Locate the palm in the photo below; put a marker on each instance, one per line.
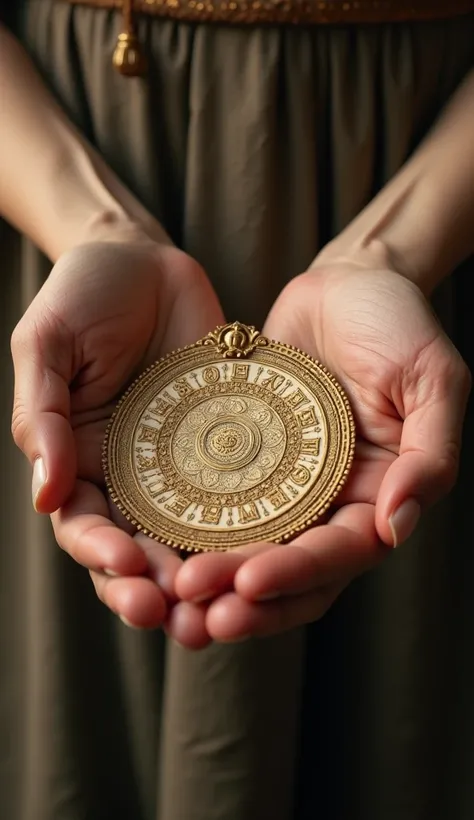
(407, 385)
(131, 307)
(106, 312)
(375, 333)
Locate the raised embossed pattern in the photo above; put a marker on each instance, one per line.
(232, 440)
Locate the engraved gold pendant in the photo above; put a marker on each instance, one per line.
(233, 440)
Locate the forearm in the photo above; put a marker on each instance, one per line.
(423, 220)
(53, 186)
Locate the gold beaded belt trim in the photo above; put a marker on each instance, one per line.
(292, 11)
(129, 60)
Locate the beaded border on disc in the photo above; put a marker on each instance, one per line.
(230, 342)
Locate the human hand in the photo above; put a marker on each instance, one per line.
(108, 309)
(408, 387)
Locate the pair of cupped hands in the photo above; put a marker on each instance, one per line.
(113, 306)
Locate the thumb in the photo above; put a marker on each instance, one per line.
(427, 466)
(42, 360)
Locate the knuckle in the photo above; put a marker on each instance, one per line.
(25, 343)
(19, 425)
(464, 376)
(190, 271)
(457, 372)
(294, 288)
(18, 339)
(40, 328)
(448, 466)
(193, 275)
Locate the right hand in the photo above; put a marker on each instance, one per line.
(408, 388)
(108, 310)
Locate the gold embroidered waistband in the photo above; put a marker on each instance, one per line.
(129, 60)
(310, 12)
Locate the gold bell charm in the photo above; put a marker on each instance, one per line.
(128, 57)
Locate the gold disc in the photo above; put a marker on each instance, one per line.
(233, 440)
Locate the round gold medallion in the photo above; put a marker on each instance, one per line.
(233, 440)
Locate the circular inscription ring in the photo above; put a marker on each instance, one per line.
(233, 440)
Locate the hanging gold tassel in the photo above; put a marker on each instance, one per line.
(128, 57)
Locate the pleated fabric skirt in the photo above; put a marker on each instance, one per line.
(254, 146)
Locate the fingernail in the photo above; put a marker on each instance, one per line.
(404, 520)
(128, 623)
(268, 596)
(38, 480)
(111, 573)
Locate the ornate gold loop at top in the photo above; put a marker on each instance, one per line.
(231, 440)
(235, 340)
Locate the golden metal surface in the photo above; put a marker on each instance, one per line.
(232, 440)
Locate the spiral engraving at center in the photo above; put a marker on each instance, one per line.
(229, 444)
(226, 441)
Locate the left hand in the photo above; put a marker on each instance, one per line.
(408, 387)
(110, 307)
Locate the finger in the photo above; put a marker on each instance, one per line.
(366, 475)
(163, 564)
(205, 576)
(346, 547)
(231, 618)
(89, 438)
(138, 602)
(84, 530)
(428, 461)
(42, 359)
(186, 624)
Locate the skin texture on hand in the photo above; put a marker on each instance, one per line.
(95, 325)
(113, 306)
(408, 387)
(108, 310)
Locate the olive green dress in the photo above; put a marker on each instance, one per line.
(254, 146)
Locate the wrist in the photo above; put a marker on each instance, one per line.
(54, 186)
(363, 254)
(409, 232)
(89, 204)
(421, 223)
